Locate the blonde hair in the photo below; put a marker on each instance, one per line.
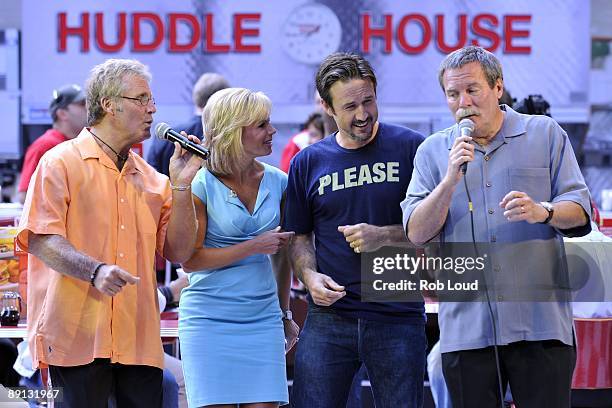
(224, 117)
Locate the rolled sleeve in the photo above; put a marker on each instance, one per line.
(421, 185)
(567, 181)
(47, 201)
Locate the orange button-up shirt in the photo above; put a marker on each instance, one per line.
(115, 217)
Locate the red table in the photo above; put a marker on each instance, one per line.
(594, 354)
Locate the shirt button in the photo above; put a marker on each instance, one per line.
(121, 255)
(488, 184)
(123, 227)
(122, 200)
(491, 211)
(486, 158)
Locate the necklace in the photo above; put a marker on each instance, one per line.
(121, 158)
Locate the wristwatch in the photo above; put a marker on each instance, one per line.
(287, 315)
(548, 207)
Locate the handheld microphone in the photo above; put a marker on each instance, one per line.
(466, 127)
(164, 131)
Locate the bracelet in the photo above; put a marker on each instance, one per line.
(180, 188)
(94, 274)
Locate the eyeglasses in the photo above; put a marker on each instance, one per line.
(143, 100)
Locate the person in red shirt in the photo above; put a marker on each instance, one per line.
(312, 131)
(67, 109)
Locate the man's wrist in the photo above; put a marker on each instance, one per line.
(543, 214)
(94, 274)
(447, 183)
(385, 234)
(549, 210)
(305, 276)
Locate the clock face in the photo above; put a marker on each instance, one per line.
(311, 32)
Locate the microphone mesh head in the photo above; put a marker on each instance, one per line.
(466, 124)
(161, 129)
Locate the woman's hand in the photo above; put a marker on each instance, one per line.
(270, 242)
(292, 330)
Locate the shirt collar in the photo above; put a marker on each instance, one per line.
(513, 125)
(90, 149)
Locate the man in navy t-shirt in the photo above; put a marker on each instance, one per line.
(342, 199)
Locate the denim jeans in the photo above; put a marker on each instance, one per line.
(170, 390)
(332, 348)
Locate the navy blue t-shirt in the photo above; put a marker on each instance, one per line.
(331, 186)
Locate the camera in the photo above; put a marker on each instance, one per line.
(533, 105)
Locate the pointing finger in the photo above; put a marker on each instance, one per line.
(129, 278)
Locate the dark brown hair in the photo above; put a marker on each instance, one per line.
(342, 66)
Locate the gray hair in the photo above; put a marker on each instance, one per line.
(205, 86)
(106, 81)
(488, 62)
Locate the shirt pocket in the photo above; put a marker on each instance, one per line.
(534, 181)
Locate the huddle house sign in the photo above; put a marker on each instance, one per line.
(275, 46)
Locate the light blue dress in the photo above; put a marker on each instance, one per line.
(230, 328)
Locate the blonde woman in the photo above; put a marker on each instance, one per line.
(233, 325)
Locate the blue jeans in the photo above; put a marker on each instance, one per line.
(332, 348)
(170, 390)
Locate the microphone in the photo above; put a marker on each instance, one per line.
(164, 131)
(466, 127)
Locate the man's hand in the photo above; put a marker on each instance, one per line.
(519, 206)
(270, 242)
(362, 237)
(183, 164)
(461, 152)
(323, 289)
(111, 279)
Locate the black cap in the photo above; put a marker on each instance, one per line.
(64, 96)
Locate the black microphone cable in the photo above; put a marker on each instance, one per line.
(491, 316)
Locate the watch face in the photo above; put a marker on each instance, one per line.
(310, 33)
(548, 206)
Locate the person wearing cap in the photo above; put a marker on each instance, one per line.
(94, 216)
(67, 109)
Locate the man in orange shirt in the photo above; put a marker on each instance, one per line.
(94, 215)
